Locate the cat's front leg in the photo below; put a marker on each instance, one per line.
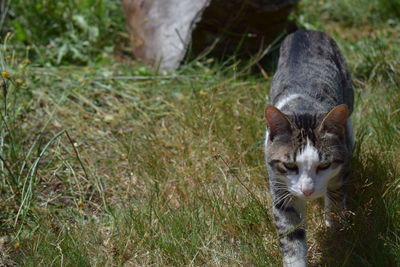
(334, 206)
(335, 200)
(288, 214)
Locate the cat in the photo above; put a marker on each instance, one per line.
(309, 138)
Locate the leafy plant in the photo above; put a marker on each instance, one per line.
(56, 32)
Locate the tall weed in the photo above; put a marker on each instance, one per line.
(21, 150)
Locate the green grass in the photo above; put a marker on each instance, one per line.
(112, 164)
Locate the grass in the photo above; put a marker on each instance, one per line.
(112, 164)
(61, 32)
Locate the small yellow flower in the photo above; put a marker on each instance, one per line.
(17, 245)
(80, 204)
(5, 74)
(202, 94)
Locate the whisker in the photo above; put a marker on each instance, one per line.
(280, 198)
(280, 195)
(287, 202)
(282, 201)
(278, 184)
(280, 188)
(335, 194)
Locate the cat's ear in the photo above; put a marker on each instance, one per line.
(278, 123)
(335, 121)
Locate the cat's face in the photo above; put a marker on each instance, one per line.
(305, 153)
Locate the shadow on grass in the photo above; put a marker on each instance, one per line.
(367, 237)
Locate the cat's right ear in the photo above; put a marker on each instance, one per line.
(335, 121)
(278, 123)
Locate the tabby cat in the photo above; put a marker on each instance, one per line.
(309, 138)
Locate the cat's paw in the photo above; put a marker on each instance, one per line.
(328, 222)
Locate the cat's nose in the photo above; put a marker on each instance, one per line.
(307, 191)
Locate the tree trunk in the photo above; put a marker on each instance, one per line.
(162, 30)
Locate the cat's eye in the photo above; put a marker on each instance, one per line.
(291, 166)
(324, 166)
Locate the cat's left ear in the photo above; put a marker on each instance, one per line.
(335, 121)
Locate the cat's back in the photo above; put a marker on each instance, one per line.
(311, 65)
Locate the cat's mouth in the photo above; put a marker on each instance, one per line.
(306, 195)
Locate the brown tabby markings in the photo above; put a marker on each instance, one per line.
(309, 139)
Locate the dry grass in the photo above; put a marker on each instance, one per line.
(167, 170)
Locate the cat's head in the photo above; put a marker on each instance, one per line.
(306, 152)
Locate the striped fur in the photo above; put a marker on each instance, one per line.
(309, 139)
